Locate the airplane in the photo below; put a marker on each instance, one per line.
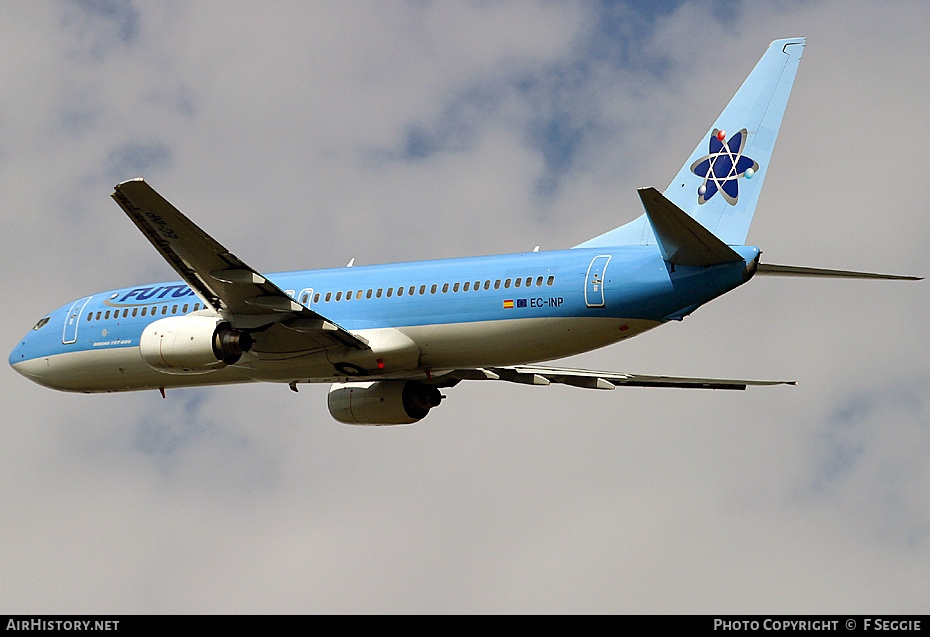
(390, 338)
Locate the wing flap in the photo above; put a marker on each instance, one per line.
(592, 379)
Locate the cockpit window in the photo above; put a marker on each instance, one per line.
(41, 323)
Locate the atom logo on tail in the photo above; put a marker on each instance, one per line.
(723, 166)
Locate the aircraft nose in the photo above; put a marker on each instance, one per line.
(29, 358)
(22, 364)
(18, 354)
(35, 368)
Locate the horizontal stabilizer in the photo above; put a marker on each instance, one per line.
(682, 240)
(770, 269)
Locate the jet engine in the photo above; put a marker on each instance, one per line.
(192, 344)
(383, 402)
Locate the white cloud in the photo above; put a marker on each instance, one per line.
(284, 130)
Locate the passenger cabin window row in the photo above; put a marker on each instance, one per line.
(413, 290)
(145, 311)
(435, 288)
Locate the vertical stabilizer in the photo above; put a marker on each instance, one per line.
(719, 184)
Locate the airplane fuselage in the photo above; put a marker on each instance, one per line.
(390, 337)
(426, 316)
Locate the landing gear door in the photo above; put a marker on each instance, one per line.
(72, 320)
(594, 281)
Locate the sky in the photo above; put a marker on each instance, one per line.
(304, 134)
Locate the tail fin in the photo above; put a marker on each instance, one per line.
(719, 184)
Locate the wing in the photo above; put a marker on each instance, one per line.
(221, 279)
(591, 379)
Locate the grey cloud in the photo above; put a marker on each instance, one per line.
(136, 159)
(505, 499)
(104, 23)
(866, 461)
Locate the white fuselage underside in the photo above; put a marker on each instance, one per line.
(441, 348)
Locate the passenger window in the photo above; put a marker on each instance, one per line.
(98, 315)
(422, 290)
(164, 310)
(135, 311)
(465, 287)
(378, 293)
(90, 315)
(197, 306)
(106, 316)
(339, 295)
(411, 290)
(400, 291)
(497, 284)
(174, 309)
(125, 312)
(329, 295)
(529, 281)
(550, 280)
(316, 297)
(369, 293)
(445, 288)
(487, 285)
(390, 292)
(517, 282)
(144, 310)
(538, 281)
(358, 295)
(455, 288)
(184, 309)
(304, 298)
(506, 284)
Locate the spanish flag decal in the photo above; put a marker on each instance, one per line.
(508, 304)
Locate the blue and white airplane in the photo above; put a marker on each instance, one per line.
(391, 337)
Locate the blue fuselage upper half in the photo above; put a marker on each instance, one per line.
(624, 282)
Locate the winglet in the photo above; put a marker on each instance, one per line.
(682, 240)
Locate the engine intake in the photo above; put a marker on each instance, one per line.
(192, 344)
(383, 402)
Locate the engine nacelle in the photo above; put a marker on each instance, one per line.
(192, 344)
(383, 402)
